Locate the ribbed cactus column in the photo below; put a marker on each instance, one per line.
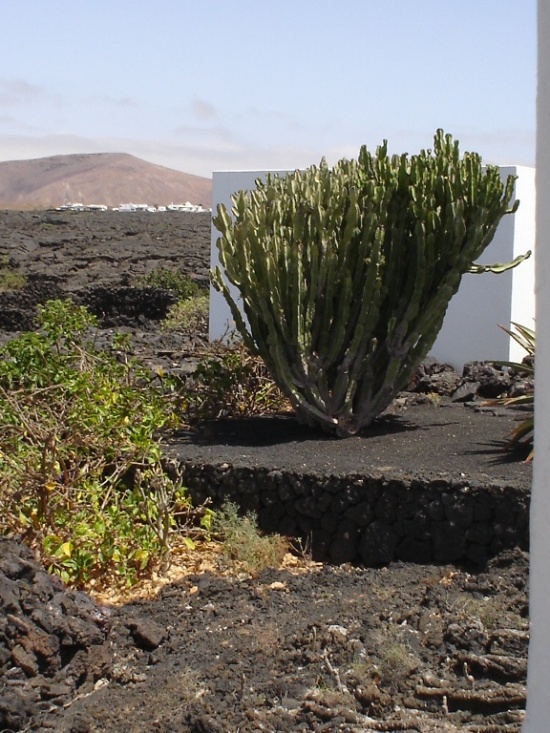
(345, 273)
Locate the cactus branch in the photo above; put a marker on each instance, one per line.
(345, 273)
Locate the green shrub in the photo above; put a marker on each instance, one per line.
(228, 382)
(345, 274)
(181, 285)
(10, 278)
(243, 542)
(189, 315)
(81, 476)
(190, 312)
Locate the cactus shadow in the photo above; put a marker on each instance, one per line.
(261, 431)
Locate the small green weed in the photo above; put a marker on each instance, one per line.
(388, 660)
(397, 660)
(243, 542)
(492, 611)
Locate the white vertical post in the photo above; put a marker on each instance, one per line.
(538, 696)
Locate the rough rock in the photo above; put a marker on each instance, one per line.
(493, 380)
(53, 642)
(146, 633)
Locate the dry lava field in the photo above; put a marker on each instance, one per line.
(211, 649)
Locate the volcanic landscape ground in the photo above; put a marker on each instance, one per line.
(212, 649)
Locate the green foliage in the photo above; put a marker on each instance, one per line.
(228, 381)
(189, 315)
(243, 542)
(345, 274)
(81, 476)
(10, 279)
(190, 312)
(525, 337)
(522, 436)
(183, 287)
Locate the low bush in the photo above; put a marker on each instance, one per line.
(180, 284)
(81, 476)
(190, 312)
(10, 278)
(228, 382)
(190, 315)
(244, 543)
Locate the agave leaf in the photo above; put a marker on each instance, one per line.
(522, 436)
(525, 337)
(524, 399)
(516, 365)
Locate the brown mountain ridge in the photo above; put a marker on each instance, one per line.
(97, 178)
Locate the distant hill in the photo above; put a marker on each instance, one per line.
(97, 178)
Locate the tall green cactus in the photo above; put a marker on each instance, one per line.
(345, 274)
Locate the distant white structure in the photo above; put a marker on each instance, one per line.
(187, 206)
(470, 330)
(71, 207)
(129, 207)
(82, 207)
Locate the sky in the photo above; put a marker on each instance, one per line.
(207, 85)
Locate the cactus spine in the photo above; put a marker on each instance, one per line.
(345, 274)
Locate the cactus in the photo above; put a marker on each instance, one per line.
(345, 274)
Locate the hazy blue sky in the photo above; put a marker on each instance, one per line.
(203, 85)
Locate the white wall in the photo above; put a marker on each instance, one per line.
(224, 184)
(470, 330)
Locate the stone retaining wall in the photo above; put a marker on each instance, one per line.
(114, 306)
(373, 520)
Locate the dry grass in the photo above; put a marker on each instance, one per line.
(243, 543)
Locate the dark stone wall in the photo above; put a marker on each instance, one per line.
(373, 521)
(113, 305)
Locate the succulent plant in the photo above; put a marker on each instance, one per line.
(345, 273)
(522, 436)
